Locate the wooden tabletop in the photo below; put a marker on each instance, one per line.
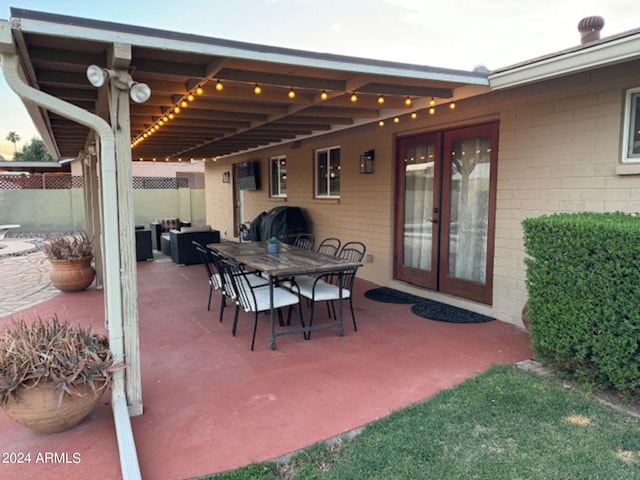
(290, 261)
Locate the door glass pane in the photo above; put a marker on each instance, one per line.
(418, 206)
(469, 208)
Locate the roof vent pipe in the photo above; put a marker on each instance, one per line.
(589, 28)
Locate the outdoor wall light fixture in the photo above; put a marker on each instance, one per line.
(366, 161)
(139, 92)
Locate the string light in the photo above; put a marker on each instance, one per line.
(258, 90)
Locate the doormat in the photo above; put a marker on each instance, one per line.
(390, 295)
(442, 312)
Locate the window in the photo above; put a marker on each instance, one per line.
(631, 133)
(328, 172)
(278, 169)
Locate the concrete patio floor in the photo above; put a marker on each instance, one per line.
(210, 404)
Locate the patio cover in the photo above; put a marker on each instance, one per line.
(56, 50)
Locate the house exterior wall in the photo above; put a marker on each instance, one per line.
(559, 146)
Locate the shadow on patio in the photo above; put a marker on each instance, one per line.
(211, 405)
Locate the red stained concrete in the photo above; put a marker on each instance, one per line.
(210, 404)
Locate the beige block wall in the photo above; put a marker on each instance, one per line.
(558, 149)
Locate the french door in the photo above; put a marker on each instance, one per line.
(445, 216)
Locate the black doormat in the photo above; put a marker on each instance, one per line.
(390, 295)
(446, 313)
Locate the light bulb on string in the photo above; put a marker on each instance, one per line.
(219, 86)
(324, 95)
(257, 89)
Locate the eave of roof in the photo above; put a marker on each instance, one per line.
(610, 50)
(98, 30)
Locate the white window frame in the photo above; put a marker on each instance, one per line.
(630, 127)
(278, 161)
(318, 174)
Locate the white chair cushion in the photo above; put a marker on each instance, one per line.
(323, 290)
(281, 298)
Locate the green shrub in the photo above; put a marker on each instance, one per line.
(583, 280)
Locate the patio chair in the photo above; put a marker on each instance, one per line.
(226, 288)
(215, 281)
(329, 246)
(325, 288)
(304, 240)
(256, 299)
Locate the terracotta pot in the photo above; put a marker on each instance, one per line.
(72, 275)
(37, 407)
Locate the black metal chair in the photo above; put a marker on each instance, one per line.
(304, 240)
(226, 288)
(214, 278)
(325, 287)
(256, 299)
(329, 246)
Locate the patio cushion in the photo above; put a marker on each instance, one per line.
(167, 224)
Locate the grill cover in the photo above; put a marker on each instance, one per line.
(284, 223)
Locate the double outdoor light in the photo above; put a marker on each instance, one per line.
(97, 76)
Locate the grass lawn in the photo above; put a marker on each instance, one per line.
(505, 424)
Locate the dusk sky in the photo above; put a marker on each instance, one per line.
(459, 34)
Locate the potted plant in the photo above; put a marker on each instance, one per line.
(273, 245)
(52, 374)
(70, 257)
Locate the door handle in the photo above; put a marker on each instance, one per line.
(433, 220)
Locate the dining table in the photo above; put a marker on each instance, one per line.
(287, 263)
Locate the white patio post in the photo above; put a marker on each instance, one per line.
(119, 111)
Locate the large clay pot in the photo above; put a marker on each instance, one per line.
(37, 407)
(72, 275)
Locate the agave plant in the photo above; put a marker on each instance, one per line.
(65, 247)
(55, 351)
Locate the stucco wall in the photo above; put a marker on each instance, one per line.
(63, 210)
(559, 145)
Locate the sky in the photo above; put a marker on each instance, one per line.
(458, 34)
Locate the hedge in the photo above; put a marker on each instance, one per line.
(583, 281)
